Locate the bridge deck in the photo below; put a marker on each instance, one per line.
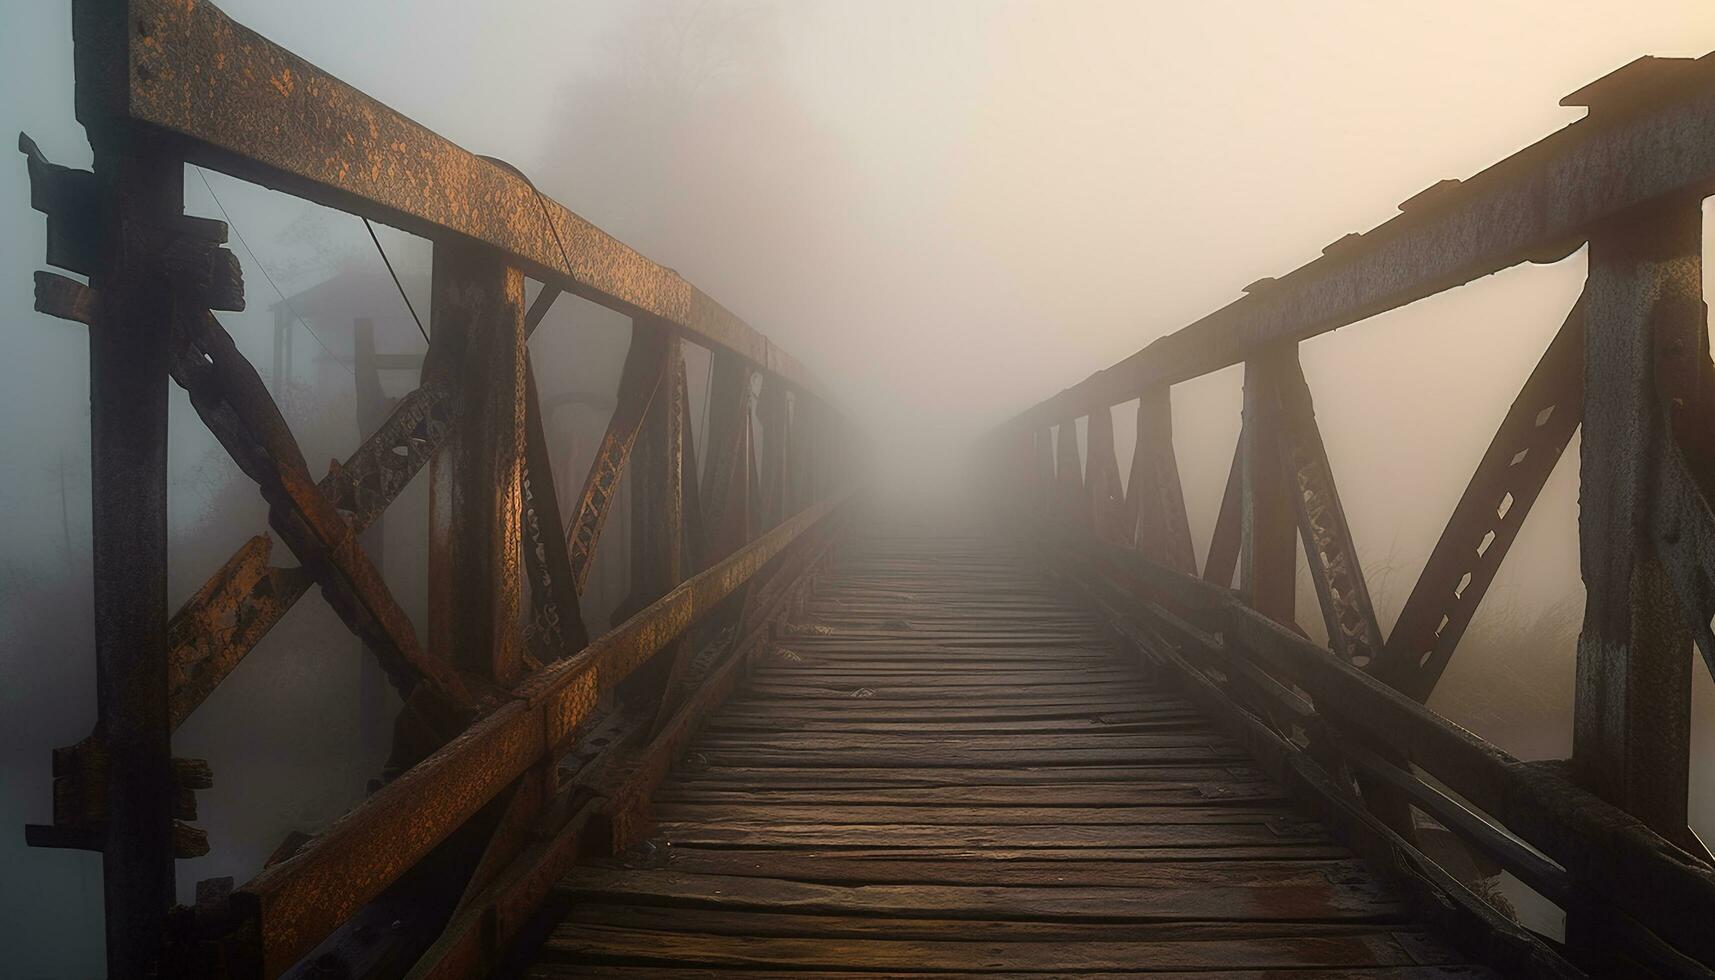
(946, 768)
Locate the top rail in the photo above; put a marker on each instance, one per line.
(475, 816)
(243, 105)
(1649, 137)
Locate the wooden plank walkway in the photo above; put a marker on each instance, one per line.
(946, 770)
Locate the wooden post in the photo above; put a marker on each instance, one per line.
(1042, 471)
(776, 452)
(1335, 570)
(1631, 724)
(1222, 560)
(1155, 498)
(141, 193)
(1488, 517)
(657, 486)
(476, 481)
(1069, 505)
(1105, 496)
(727, 481)
(1268, 564)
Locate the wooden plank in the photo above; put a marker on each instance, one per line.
(1351, 897)
(563, 971)
(934, 835)
(1375, 949)
(779, 776)
(752, 923)
(1002, 792)
(836, 867)
(1093, 796)
(774, 814)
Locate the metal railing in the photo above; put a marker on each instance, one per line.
(1605, 838)
(454, 851)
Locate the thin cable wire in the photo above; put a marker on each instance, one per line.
(542, 203)
(396, 283)
(264, 270)
(708, 398)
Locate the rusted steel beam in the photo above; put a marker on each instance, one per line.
(1539, 204)
(1488, 517)
(1106, 497)
(692, 508)
(235, 404)
(1222, 561)
(556, 622)
(493, 916)
(657, 485)
(658, 517)
(1632, 711)
(1435, 893)
(638, 381)
(211, 634)
(776, 484)
(1070, 503)
(1155, 498)
(136, 187)
(1333, 558)
(476, 316)
(728, 478)
(1682, 526)
(1599, 844)
(1601, 847)
(248, 107)
(296, 903)
(373, 406)
(1268, 559)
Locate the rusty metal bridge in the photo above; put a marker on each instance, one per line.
(827, 738)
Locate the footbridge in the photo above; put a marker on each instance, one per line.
(827, 736)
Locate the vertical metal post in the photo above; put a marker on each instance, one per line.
(476, 480)
(1042, 471)
(776, 452)
(1155, 498)
(657, 485)
(142, 193)
(1631, 724)
(1268, 563)
(1069, 505)
(1105, 498)
(727, 481)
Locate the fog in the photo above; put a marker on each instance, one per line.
(948, 211)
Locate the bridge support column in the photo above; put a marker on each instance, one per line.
(1106, 498)
(1069, 504)
(140, 195)
(1155, 498)
(731, 464)
(1268, 560)
(658, 485)
(476, 481)
(776, 453)
(1631, 727)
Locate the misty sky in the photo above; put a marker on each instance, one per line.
(947, 209)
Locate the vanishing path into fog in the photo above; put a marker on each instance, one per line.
(707, 702)
(946, 764)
